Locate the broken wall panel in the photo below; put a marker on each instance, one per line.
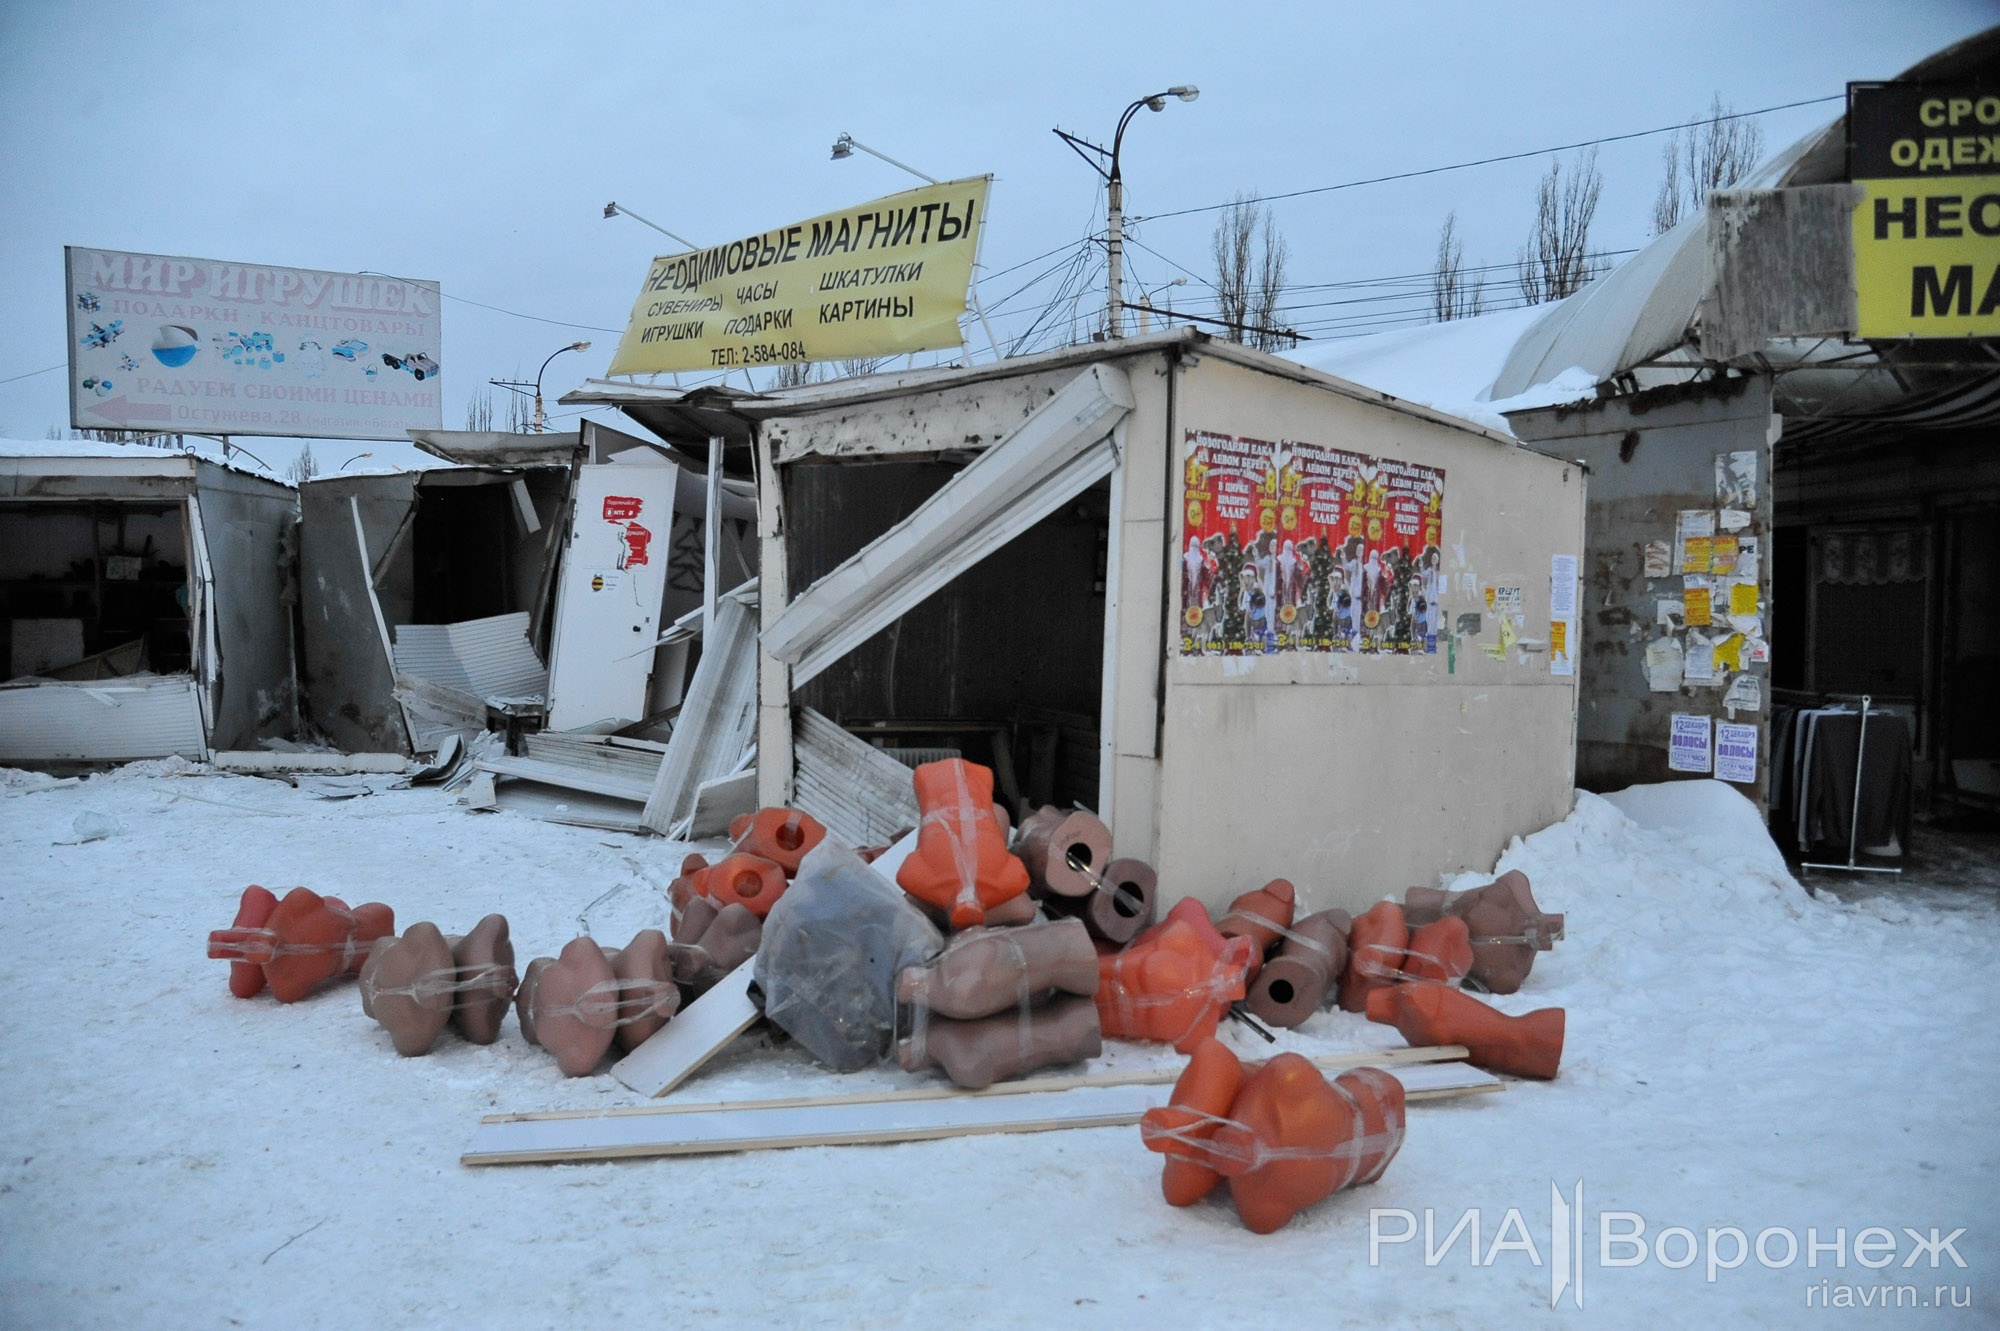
(864, 796)
(717, 721)
(348, 681)
(486, 658)
(111, 721)
(250, 526)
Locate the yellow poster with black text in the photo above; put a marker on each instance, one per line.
(879, 279)
(1927, 257)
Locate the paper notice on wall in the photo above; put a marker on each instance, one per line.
(1698, 665)
(1742, 599)
(1672, 614)
(1469, 624)
(1722, 555)
(1729, 653)
(1507, 603)
(1562, 633)
(1760, 649)
(1735, 752)
(1736, 479)
(1734, 519)
(1659, 559)
(1693, 539)
(1498, 650)
(1663, 665)
(1746, 694)
(1562, 586)
(1696, 602)
(1688, 748)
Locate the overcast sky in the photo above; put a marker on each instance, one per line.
(476, 145)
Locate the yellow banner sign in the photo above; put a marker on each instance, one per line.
(1927, 230)
(879, 279)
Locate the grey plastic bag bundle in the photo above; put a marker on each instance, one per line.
(832, 947)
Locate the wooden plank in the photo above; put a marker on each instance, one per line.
(1160, 1076)
(257, 760)
(693, 1037)
(709, 1130)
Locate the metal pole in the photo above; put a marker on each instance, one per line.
(1115, 250)
(711, 572)
(1854, 811)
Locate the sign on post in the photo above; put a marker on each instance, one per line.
(879, 279)
(198, 346)
(1927, 229)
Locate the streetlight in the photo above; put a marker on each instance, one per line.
(843, 148)
(541, 421)
(1115, 204)
(1146, 303)
(613, 209)
(351, 461)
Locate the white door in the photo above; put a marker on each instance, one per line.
(614, 570)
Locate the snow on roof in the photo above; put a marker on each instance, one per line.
(1449, 366)
(99, 448)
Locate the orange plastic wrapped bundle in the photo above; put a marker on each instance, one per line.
(1432, 1014)
(1172, 984)
(306, 940)
(780, 835)
(1440, 950)
(1288, 1139)
(1376, 947)
(961, 864)
(253, 911)
(743, 879)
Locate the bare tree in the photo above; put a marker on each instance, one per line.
(1249, 278)
(304, 467)
(479, 410)
(1454, 295)
(860, 365)
(1710, 156)
(795, 375)
(1556, 260)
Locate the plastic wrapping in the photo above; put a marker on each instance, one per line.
(1506, 925)
(832, 948)
(961, 864)
(1001, 1002)
(304, 941)
(1429, 1013)
(1289, 1138)
(1175, 981)
(417, 984)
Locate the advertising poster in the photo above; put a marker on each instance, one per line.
(1294, 546)
(878, 279)
(1735, 752)
(198, 346)
(1689, 749)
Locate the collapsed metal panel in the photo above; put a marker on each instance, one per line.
(1060, 450)
(101, 721)
(349, 681)
(717, 718)
(249, 526)
(865, 797)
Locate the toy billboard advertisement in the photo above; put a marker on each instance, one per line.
(1295, 546)
(198, 346)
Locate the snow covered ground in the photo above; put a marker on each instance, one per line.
(1740, 1056)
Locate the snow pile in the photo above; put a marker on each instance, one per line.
(1739, 1054)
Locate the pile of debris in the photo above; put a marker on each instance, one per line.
(989, 953)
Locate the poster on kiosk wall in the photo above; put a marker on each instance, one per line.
(1291, 546)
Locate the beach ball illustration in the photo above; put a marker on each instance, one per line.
(174, 345)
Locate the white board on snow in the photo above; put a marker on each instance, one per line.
(693, 1037)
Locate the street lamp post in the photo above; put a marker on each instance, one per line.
(844, 146)
(541, 420)
(1115, 202)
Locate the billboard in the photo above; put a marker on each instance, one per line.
(197, 346)
(878, 279)
(1927, 229)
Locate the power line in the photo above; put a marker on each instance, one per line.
(1489, 161)
(32, 373)
(560, 323)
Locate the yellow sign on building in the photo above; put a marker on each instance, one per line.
(1927, 228)
(879, 279)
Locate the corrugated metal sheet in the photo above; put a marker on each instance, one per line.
(488, 658)
(108, 721)
(863, 795)
(717, 719)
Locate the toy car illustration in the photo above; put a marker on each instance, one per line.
(348, 348)
(416, 363)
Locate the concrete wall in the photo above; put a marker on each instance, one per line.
(1652, 455)
(1354, 776)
